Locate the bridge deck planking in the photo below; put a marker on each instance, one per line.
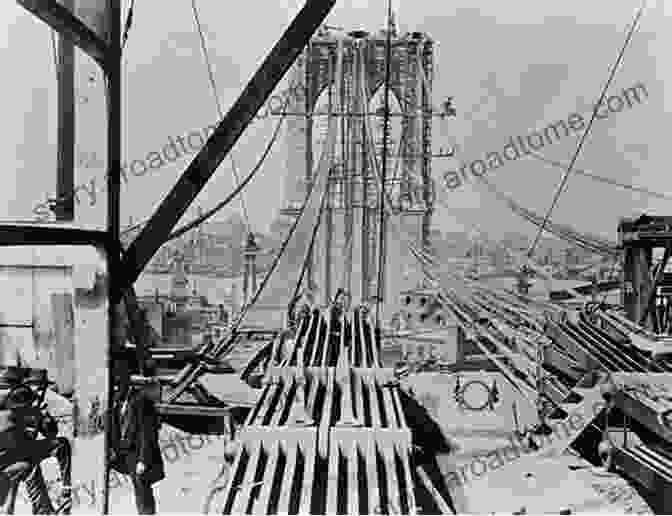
(380, 440)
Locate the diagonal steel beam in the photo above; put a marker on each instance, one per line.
(222, 140)
(63, 21)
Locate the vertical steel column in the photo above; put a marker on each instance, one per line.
(365, 229)
(65, 179)
(344, 150)
(329, 215)
(622, 278)
(382, 245)
(308, 103)
(253, 273)
(417, 122)
(418, 146)
(628, 298)
(351, 106)
(426, 147)
(246, 279)
(113, 71)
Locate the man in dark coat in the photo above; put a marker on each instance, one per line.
(139, 454)
(21, 453)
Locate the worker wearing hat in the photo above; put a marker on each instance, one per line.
(137, 453)
(21, 452)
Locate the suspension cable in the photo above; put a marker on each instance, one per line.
(590, 124)
(596, 177)
(241, 185)
(592, 243)
(284, 246)
(425, 259)
(220, 111)
(421, 256)
(128, 24)
(313, 238)
(219, 206)
(381, 201)
(208, 214)
(601, 179)
(192, 371)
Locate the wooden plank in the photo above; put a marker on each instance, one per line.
(333, 478)
(288, 478)
(168, 409)
(424, 478)
(276, 387)
(353, 485)
(261, 504)
(284, 403)
(232, 490)
(315, 381)
(358, 393)
(325, 423)
(375, 501)
(404, 455)
(308, 477)
(240, 505)
(64, 364)
(370, 390)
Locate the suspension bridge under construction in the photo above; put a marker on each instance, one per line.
(335, 426)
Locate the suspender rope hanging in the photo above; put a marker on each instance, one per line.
(381, 202)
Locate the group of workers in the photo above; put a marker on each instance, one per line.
(29, 435)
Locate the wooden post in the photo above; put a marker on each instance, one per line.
(65, 168)
(308, 103)
(64, 343)
(641, 282)
(112, 68)
(329, 215)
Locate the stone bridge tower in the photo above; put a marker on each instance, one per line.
(343, 73)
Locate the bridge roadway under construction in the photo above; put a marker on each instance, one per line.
(331, 433)
(557, 357)
(329, 405)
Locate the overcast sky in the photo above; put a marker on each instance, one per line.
(510, 66)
